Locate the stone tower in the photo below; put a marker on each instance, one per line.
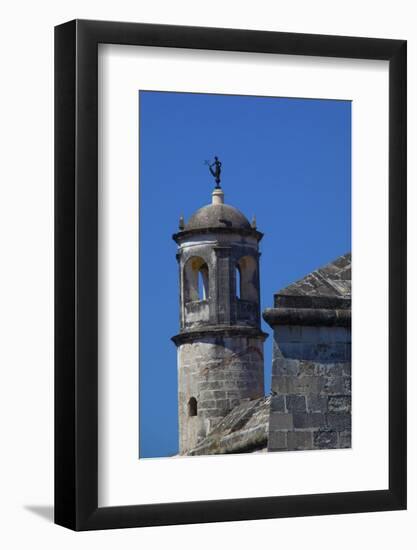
(220, 343)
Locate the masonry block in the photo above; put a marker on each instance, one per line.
(317, 403)
(298, 385)
(278, 403)
(339, 421)
(345, 440)
(334, 385)
(325, 439)
(339, 403)
(280, 421)
(277, 441)
(299, 441)
(282, 366)
(295, 403)
(308, 420)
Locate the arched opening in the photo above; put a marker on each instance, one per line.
(196, 280)
(203, 289)
(192, 406)
(238, 282)
(248, 279)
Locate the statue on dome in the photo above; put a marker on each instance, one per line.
(215, 170)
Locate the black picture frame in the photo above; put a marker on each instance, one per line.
(76, 272)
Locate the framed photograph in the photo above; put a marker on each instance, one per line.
(230, 253)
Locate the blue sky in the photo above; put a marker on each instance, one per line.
(287, 161)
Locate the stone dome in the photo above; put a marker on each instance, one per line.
(217, 215)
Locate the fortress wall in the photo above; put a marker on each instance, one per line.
(311, 388)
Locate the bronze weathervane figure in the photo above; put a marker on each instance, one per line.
(215, 170)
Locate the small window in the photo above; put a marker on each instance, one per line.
(192, 406)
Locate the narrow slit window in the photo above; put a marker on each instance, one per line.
(192, 406)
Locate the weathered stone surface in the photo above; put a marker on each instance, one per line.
(332, 280)
(211, 385)
(295, 403)
(279, 316)
(307, 368)
(345, 440)
(308, 420)
(244, 429)
(339, 421)
(317, 403)
(339, 403)
(278, 403)
(299, 441)
(277, 441)
(212, 394)
(282, 366)
(289, 334)
(297, 385)
(300, 301)
(347, 383)
(218, 377)
(325, 439)
(281, 421)
(347, 369)
(217, 215)
(210, 414)
(313, 335)
(329, 369)
(320, 352)
(334, 385)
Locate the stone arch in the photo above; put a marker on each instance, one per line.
(192, 406)
(196, 280)
(248, 277)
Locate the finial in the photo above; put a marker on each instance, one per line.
(217, 197)
(253, 222)
(181, 223)
(215, 170)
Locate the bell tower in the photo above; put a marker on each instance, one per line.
(220, 342)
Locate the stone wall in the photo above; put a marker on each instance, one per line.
(311, 372)
(311, 389)
(219, 372)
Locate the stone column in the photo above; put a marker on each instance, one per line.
(222, 302)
